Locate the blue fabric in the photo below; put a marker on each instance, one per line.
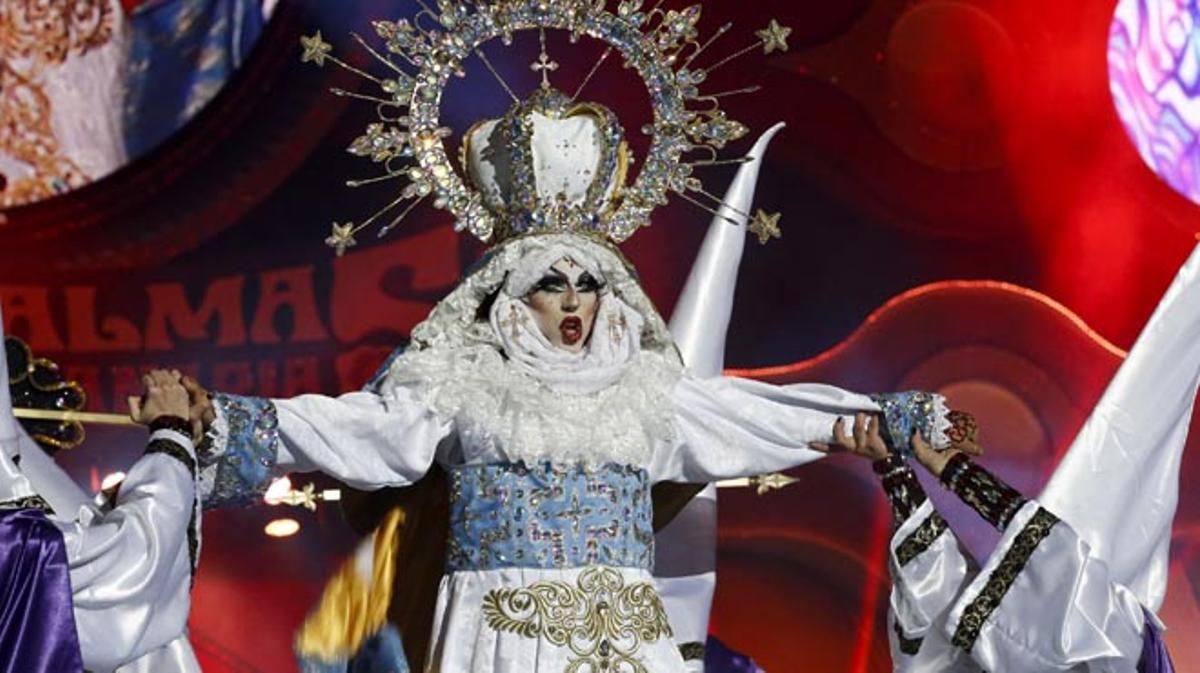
(37, 625)
(903, 414)
(181, 53)
(718, 658)
(1155, 658)
(381, 373)
(508, 515)
(245, 469)
(381, 653)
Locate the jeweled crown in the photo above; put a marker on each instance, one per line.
(552, 163)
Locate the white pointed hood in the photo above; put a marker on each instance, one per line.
(13, 484)
(1118, 484)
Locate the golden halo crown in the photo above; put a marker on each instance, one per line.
(550, 164)
(660, 45)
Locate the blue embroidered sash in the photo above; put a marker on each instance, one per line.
(509, 515)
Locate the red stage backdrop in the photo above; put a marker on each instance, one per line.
(962, 212)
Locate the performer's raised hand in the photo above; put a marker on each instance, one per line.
(164, 396)
(200, 409)
(865, 439)
(933, 460)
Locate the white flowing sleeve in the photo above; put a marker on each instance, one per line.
(929, 569)
(131, 566)
(731, 427)
(1043, 602)
(364, 439)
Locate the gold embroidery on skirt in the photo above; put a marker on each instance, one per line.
(602, 620)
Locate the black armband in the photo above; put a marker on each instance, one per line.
(175, 423)
(900, 483)
(995, 500)
(174, 450)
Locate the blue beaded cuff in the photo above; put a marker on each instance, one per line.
(905, 413)
(508, 515)
(239, 465)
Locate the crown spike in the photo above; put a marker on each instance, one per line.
(705, 207)
(595, 66)
(361, 96)
(387, 228)
(382, 58)
(707, 43)
(722, 162)
(488, 64)
(371, 181)
(735, 92)
(772, 38)
(720, 201)
(380, 213)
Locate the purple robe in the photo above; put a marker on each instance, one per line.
(37, 624)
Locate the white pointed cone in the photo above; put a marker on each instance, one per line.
(685, 551)
(8, 422)
(13, 484)
(38, 473)
(1118, 484)
(701, 318)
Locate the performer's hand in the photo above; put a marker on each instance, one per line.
(200, 411)
(865, 441)
(933, 460)
(964, 433)
(164, 396)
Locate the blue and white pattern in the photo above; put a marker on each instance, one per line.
(239, 474)
(907, 412)
(509, 515)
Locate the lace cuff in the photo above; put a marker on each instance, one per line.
(239, 452)
(995, 500)
(900, 483)
(908, 412)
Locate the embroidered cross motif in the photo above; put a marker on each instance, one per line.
(515, 321)
(616, 326)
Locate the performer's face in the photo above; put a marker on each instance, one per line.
(564, 303)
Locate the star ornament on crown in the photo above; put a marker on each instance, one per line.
(551, 163)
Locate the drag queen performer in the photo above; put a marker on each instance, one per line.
(545, 385)
(99, 588)
(1079, 573)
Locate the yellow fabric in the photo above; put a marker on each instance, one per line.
(410, 527)
(350, 610)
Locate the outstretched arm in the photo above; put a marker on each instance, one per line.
(365, 439)
(928, 565)
(732, 427)
(1042, 601)
(131, 566)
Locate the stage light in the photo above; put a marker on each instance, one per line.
(1153, 74)
(282, 528)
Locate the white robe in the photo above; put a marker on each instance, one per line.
(1058, 607)
(130, 566)
(719, 428)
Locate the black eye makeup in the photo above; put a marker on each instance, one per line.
(551, 283)
(588, 283)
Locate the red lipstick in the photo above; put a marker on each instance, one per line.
(571, 329)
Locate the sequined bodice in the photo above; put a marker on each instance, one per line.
(509, 515)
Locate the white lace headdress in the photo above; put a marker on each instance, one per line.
(515, 393)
